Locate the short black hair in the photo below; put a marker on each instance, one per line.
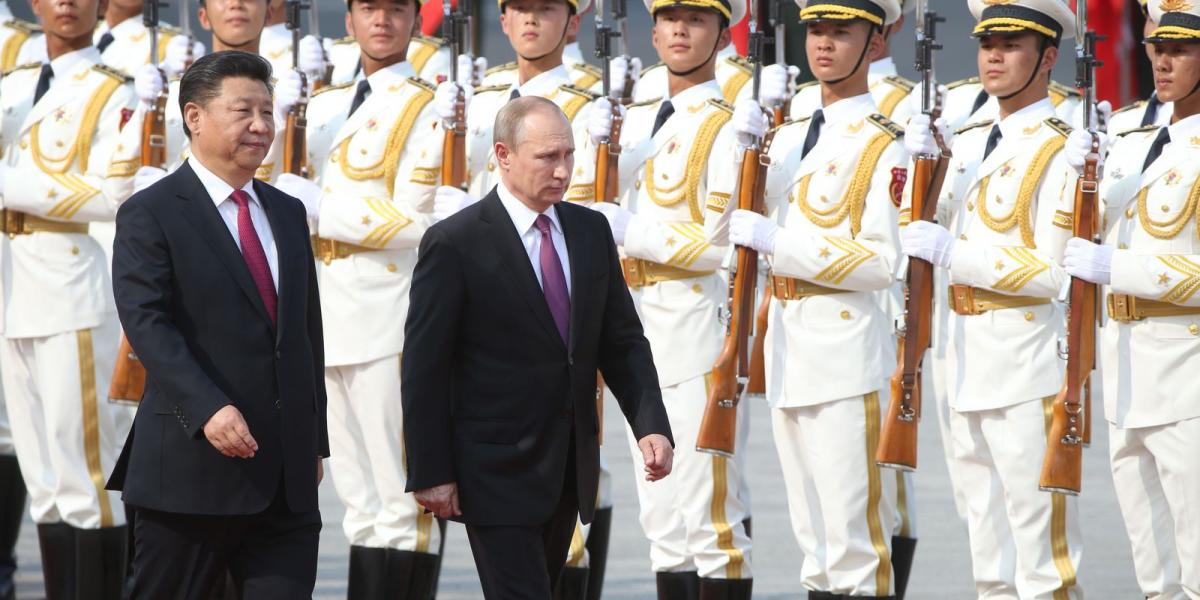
(401, 2)
(202, 81)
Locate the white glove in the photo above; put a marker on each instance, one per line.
(146, 177)
(481, 66)
(914, 98)
(928, 241)
(148, 84)
(304, 190)
(288, 90)
(175, 60)
(1079, 145)
(445, 97)
(775, 84)
(449, 200)
(1100, 116)
(327, 45)
(918, 137)
(618, 69)
(618, 219)
(311, 57)
(466, 69)
(752, 230)
(1088, 261)
(600, 119)
(750, 123)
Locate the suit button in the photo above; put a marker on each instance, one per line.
(278, 355)
(571, 361)
(568, 413)
(278, 403)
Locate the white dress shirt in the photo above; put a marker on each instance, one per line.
(220, 191)
(523, 217)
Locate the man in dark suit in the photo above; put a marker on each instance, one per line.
(214, 280)
(515, 303)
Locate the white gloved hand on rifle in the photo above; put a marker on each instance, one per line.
(1079, 145)
(445, 98)
(1088, 261)
(619, 69)
(776, 84)
(752, 230)
(308, 193)
(448, 200)
(289, 89)
(600, 120)
(919, 138)
(750, 123)
(148, 84)
(180, 50)
(311, 58)
(928, 241)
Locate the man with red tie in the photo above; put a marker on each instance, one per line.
(215, 286)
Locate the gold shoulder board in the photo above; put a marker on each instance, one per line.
(499, 68)
(649, 102)
(807, 84)
(1138, 130)
(421, 83)
(790, 122)
(578, 91)
(344, 41)
(721, 104)
(436, 42)
(962, 82)
(892, 129)
(503, 87)
(652, 67)
(1062, 90)
(975, 125)
(330, 88)
(24, 67)
(1134, 106)
(1060, 126)
(589, 69)
(111, 72)
(900, 82)
(25, 26)
(740, 63)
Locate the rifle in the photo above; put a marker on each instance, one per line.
(730, 373)
(295, 146)
(454, 144)
(185, 25)
(1062, 467)
(778, 38)
(129, 374)
(898, 441)
(314, 29)
(608, 152)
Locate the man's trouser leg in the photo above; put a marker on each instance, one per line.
(393, 541)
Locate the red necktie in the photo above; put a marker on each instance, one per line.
(253, 254)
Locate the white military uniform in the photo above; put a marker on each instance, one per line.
(378, 169)
(675, 182)
(130, 48)
(429, 56)
(963, 95)
(67, 163)
(733, 73)
(890, 92)
(1149, 357)
(583, 75)
(1141, 114)
(1014, 213)
(275, 45)
(21, 42)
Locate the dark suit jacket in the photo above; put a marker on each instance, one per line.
(491, 394)
(193, 316)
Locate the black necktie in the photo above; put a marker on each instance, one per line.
(360, 95)
(993, 141)
(516, 93)
(105, 41)
(665, 110)
(1151, 114)
(43, 83)
(1164, 138)
(980, 100)
(814, 132)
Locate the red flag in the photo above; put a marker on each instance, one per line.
(741, 35)
(1115, 80)
(431, 16)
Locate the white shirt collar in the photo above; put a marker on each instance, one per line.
(846, 109)
(545, 82)
(522, 216)
(65, 64)
(388, 76)
(884, 67)
(1185, 129)
(1012, 125)
(697, 94)
(572, 54)
(216, 187)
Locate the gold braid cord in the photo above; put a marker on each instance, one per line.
(855, 198)
(1166, 230)
(87, 129)
(696, 160)
(389, 164)
(1022, 214)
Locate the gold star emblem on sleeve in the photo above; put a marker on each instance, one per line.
(1164, 279)
(999, 265)
(366, 220)
(824, 253)
(671, 242)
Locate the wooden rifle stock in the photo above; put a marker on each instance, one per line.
(295, 144)
(1062, 467)
(757, 383)
(608, 154)
(454, 147)
(718, 427)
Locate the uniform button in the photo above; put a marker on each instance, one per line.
(962, 237)
(1194, 329)
(1122, 246)
(491, 166)
(697, 288)
(1028, 315)
(970, 206)
(392, 267)
(845, 315)
(74, 250)
(637, 185)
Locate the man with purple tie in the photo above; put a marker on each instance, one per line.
(214, 279)
(516, 301)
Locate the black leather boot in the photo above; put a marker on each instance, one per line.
(746, 523)
(12, 508)
(815, 595)
(903, 549)
(368, 573)
(597, 547)
(100, 563)
(725, 589)
(57, 542)
(683, 585)
(422, 583)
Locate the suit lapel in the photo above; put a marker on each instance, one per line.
(203, 214)
(523, 281)
(577, 245)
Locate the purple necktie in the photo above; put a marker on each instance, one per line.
(252, 252)
(554, 283)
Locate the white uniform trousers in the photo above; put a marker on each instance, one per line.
(1158, 488)
(693, 518)
(839, 501)
(1025, 543)
(933, 393)
(63, 427)
(366, 458)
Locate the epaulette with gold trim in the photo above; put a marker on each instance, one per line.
(578, 91)
(962, 82)
(901, 82)
(500, 87)
(721, 104)
(649, 102)
(1062, 90)
(25, 26)
(1138, 130)
(171, 29)
(499, 68)
(652, 67)
(111, 72)
(430, 40)
(975, 125)
(1125, 109)
(26, 66)
(344, 41)
(740, 63)
(806, 85)
(789, 122)
(589, 69)
(1059, 126)
(332, 87)
(421, 83)
(887, 125)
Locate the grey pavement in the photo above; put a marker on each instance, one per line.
(942, 568)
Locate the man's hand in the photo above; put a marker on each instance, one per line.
(657, 455)
(227, 431)
(320, 470)
(440, 500)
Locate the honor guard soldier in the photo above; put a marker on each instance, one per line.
(1142, 113)
(124, 41)
(675, 178)
(583, 75)
(21, 42)
(1010, 204)
(1150, 343)
(429, 56)
(733, 73)
(66, 162)
(832, 191)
